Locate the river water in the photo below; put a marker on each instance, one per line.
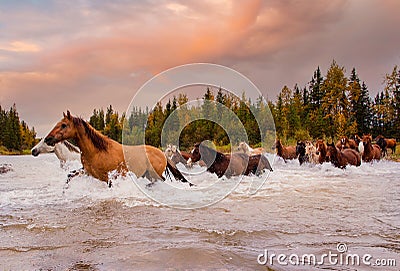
(299, 210)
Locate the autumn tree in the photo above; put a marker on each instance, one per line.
(335, 102)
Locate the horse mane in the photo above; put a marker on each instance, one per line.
(71, 147)
(99, 141)
(219, 157)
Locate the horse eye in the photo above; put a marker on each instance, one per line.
(63, 126)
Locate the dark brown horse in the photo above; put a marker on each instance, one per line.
(100, 155)
(287, 153)
(343, 158)
(321, 151)
(371, 151)
(301, 152)
(257, 164)
(229, 165)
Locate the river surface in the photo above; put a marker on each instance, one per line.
(45, 225)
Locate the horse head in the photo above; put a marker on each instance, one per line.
(357, 139)
(195, 153)
(205, 153)
(367, 139)
(331, 151)
(42, 147)
(63, 130)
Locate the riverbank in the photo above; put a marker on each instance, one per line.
(5, 151)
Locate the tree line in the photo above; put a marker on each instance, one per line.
(328, 106)
(15, 134)
(211, 120)
(334, 105)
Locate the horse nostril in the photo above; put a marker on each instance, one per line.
(35, 152)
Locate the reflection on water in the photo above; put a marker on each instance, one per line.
(308, 209)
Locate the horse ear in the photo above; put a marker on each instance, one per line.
(68, 115)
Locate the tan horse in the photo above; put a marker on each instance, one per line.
(311, 152)
(245, 148)
(371, 152)
(100, 155)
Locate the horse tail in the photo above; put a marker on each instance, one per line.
(177, 174)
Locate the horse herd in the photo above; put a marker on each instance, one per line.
(101, 155)
(345, 152)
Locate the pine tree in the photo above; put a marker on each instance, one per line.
(354, 88)
(335, 102)
(392, 89)
(316, 91)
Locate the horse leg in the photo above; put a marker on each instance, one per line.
(153, 178)
(72, 174)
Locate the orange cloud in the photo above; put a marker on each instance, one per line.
(20, 47)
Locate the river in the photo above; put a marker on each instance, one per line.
(309, 209)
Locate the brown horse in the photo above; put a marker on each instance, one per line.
(371, 151)
(229, 165)
(257, 164)
(386, 143)
(287, 153)
(321, 151)
(101, 155)
(343, 158)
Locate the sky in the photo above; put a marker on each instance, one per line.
(80, 55)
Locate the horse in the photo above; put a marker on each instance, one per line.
(229, 165)
(360, 146)
(311, 153)
(257, 164)
(301, 152)
(245, 148)
(321, 151)
(346, 143)
(381, 142)
(371, 151)
(343, 158)
(391, 144)
(385, 143)
(287, 153)
(357, 139)
(176, 156)
(101, 155)
(64, 151)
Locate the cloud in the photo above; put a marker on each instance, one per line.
(20, 47)
(58, 55)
